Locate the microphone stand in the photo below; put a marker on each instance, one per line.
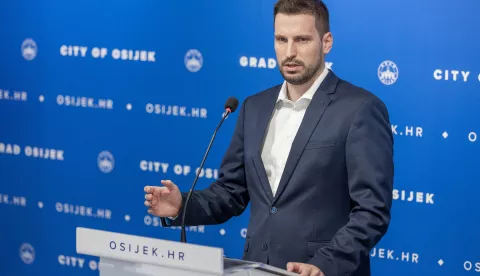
(183, 235)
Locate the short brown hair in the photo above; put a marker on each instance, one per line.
(312, 7)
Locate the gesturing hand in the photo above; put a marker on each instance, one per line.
(163, 201)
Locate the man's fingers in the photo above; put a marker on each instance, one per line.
(147, 203)
(159, 191)
(315, 271)
(150, 189)
(293, 267)
(156, 191)
(305, 270)
(151, 199)
(168, 183)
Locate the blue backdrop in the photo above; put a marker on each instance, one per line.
(100, 98)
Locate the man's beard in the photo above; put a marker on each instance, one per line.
(307, 75)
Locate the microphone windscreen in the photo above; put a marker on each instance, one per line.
(232, 104)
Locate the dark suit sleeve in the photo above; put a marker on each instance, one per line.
(369, 159)
(228, 195)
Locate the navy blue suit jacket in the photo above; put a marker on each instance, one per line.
(334, 198)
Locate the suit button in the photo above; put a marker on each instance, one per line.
(273, 210)
(264, 247)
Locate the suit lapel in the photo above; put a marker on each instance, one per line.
(312, 116)
(265, 112)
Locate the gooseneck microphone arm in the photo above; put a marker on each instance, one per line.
(230, 107)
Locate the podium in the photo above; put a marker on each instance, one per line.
(129, 255)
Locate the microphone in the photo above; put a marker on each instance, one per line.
(230, 106)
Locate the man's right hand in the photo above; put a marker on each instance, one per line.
(163, 201)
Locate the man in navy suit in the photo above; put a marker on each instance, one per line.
(313, 155)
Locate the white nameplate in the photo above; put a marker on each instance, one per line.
(149, 251)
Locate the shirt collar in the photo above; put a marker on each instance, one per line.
(308, 95)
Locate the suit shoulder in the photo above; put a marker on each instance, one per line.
(357, 94)
(265, 93)
(262, 96)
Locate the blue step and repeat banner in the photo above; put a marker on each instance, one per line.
(100, 98)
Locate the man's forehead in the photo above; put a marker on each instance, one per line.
(294, 24)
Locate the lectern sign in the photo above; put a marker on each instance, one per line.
(149, 251)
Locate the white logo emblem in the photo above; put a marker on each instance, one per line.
(29, 49)
(27, 253)
(105, 161)
(388, 72)
(193, 60)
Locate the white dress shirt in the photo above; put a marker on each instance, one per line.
(283, 127)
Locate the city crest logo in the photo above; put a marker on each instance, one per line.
(27, 253)
(388, 72)
(29, 49)
(193, 60)
(105, 161)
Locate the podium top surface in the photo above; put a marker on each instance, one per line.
(234, 265)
